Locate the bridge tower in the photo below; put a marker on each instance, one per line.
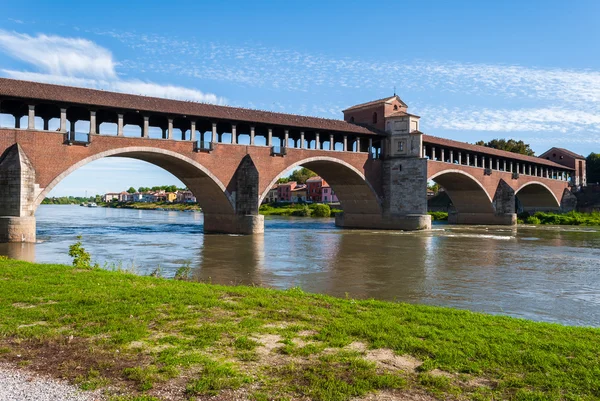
(404, 169)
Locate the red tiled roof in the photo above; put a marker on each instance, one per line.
(401, 114)
(434, 140)
(93, 97)
(375, 102)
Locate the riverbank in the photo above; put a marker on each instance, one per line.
(176, 339)
(544, 218)
(299, 210)
(153, 206)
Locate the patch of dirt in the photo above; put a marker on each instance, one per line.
(280, 325)
(438, 372)
(269, 342)
(357, 346)
(397, 395)
(32, 325)
(387, 359)
(307, 333)
(20, 305)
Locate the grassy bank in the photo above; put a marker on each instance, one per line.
(300, 210)
(151, 336)
(152, 205)
(566, 219)
(438, 216)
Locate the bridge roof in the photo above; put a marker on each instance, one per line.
(93, 97)
(490, 151)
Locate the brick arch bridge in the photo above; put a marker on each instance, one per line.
(230, 158)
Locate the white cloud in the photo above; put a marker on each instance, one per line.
(80, 62)
(56, 55)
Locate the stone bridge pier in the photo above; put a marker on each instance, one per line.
(17, 196)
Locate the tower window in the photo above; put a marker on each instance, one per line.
(352, 119)
(374, 118)
(395, 107)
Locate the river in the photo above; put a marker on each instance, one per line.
(546, 273)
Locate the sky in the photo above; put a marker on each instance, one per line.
(472, 70)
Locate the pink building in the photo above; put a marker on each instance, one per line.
(327, 194)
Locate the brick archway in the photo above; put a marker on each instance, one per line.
(355, 192)
(468, 195)
(536, 196)
(210, 192)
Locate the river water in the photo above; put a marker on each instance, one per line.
(547, 274)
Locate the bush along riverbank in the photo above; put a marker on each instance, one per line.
(568, 219)
(136, 338)
(153, 206)
(299, 210)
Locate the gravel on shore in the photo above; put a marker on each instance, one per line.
(21, 385)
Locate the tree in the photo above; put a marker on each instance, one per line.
(143, 189)
(433, 186)
(301, 175)
(510, 146)
(131, 190)
(593, 167)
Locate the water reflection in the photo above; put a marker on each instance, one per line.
(548, 273)
(19, 251)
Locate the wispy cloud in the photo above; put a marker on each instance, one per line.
(80, 62)
(449, 95)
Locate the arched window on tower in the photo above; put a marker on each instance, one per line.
(374, 118)
(352, 119)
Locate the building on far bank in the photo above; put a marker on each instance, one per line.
(299, 194)
(284, 191)
(272, 196)
(185, 196)
(148, 197)
(314, 185)
(327, 194)
(109, 197)
(568, 159)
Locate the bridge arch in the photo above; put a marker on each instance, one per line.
(210, 192)
(467, 194)
(354, 191)
(537, 196)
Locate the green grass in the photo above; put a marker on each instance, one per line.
(569, 219)
(439, 216)
(296, 209)
(141, 333)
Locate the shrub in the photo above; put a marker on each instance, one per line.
(321, 210)
(533, 220)
(302, 212)
(81, 258)
(439, 216)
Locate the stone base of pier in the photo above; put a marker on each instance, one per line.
(17, 229)
(409, 222)
(234, 224)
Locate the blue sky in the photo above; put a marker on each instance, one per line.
(473, 70)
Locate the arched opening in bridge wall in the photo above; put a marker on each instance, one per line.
(210, 193)
(354, 193)
(465, 192)
(536, 197)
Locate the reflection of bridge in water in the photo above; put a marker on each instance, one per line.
(376, 160)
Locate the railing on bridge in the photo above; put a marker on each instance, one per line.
(278, 151)
(203, 146)
(77, 138)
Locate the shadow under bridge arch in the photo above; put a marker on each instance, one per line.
(535, 196)
(209, 191)
(465, 192)
(353, 190)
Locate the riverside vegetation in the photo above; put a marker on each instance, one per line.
(545, 218)
(139, 338)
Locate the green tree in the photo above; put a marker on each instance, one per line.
(301, 175)
(510, 146)
(143, 189)
(433, 186)
(131, 190)
(593, 167)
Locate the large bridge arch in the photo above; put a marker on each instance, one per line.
(537, 196)
(355, 192)
(467, 194)
(210, 192)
